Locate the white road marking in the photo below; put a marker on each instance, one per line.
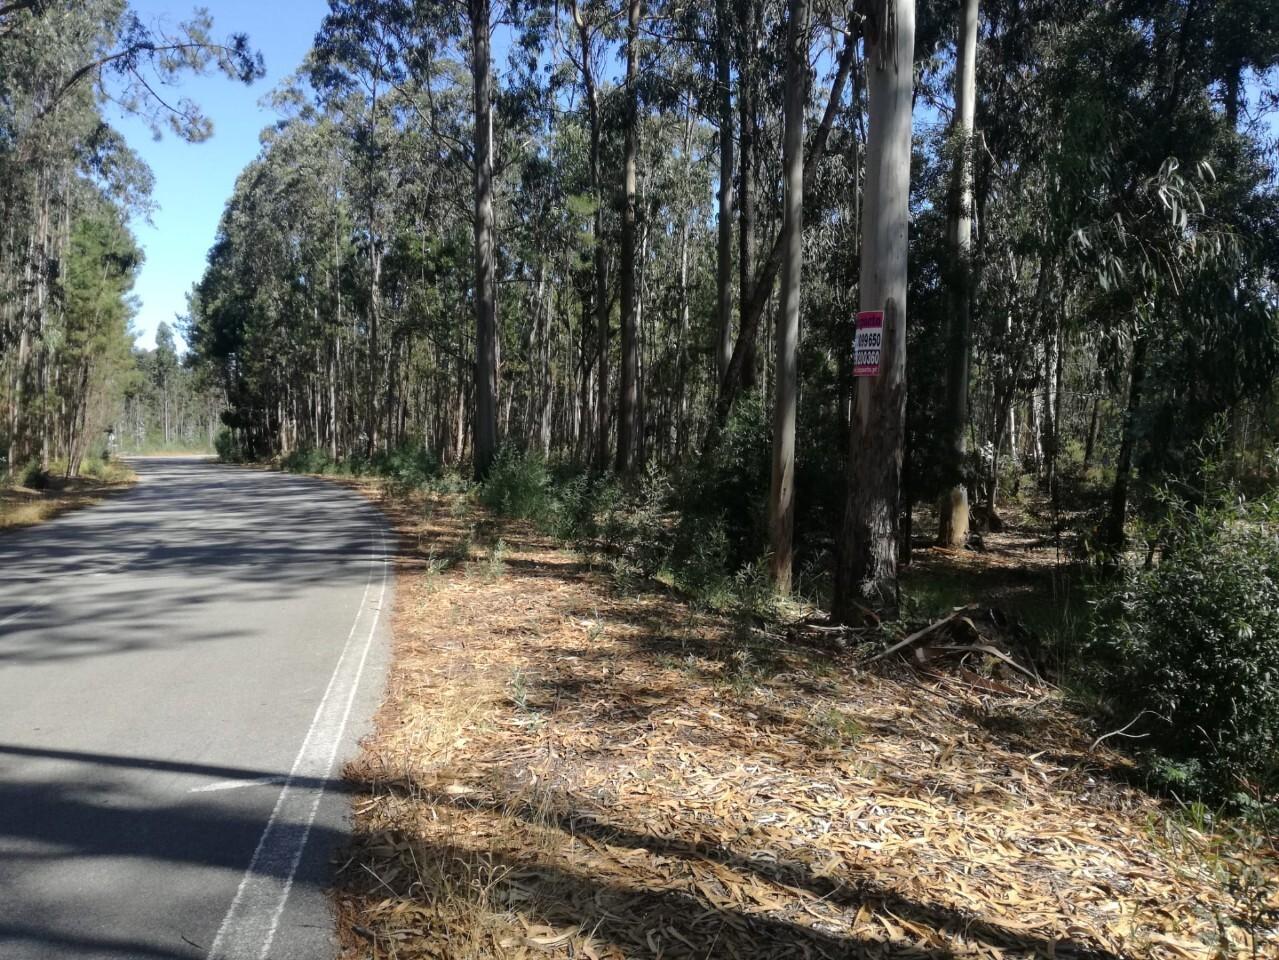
(249, 926)
(236, 784)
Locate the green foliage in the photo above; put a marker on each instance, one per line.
(637, 523)
(519, 486)
(104, 470)
(227, 445)
(721, 500)
(308, 461)
(410, 467)
(833, 728)
(33, 476)
(1189, 641)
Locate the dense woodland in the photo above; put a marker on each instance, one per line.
(605, 232)
(630, 239)
(69, 184)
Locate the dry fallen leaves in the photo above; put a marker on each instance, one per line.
(562, 771)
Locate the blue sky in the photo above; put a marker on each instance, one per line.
(193, 181)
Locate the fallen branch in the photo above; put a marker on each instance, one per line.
(991, 651)
(1123, 731)
(920, 634)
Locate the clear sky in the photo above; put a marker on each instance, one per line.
(193, 181)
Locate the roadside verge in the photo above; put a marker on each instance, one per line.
(565, 768)
(22, 506)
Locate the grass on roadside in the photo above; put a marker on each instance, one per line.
(53, 494)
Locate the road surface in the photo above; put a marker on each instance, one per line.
(183, 670)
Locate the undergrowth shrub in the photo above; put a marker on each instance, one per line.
(519, 486)
(1187, 641)
(636, 524)
(33, 476)
(409, 467)
(307, 461)
(724, 496)
(104, 470)
(701, 529)
(227, 446)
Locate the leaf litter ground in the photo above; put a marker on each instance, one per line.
(562, 769)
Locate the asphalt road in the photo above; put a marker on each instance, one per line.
(182, 671)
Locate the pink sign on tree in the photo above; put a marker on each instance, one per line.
(868, 343)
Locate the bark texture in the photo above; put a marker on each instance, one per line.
(628, 428)
(781, 500)
(954, 513)
(485, 427)
(866, 571)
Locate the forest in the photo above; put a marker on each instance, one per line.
(609, 260)
(663, 220)
(69, 184)
(605, 264)
(634, 242)
(828, 449)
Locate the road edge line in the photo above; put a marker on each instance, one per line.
(249, 926)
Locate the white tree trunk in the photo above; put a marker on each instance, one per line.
(954, 513)
(866, 575)
(781, 501)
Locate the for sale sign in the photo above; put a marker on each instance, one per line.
(868, 344)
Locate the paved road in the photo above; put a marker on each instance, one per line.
(182, 671)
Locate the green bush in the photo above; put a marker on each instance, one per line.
(727, 493)
(105, 470)
(227, 446)
(1189, 641)
(33, 475)
(411, 466)
(519, 486)
(636, 524)
(308, 461)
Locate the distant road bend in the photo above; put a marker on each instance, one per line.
(182, 671)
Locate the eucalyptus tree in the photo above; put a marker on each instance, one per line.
(781, 500)
(91, 358)
(738, 378)
(866, 571)
(1091, 197)
(58, 64)
(629, 428)
(586, 52)
(953, 526)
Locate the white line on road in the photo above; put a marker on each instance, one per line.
(236, 784)
(249, 926)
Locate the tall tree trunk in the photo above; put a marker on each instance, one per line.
(485, 429)
(1233, 93)
(681, 362)
(1113, 535)
(781, 500)
(866, 571)
(724, 251)
(1090, 445)
(601, 303)
(953, 527)
(628, 426)
(749, 29)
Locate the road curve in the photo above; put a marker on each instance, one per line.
(182, 671)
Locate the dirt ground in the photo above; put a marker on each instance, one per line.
(22, 507)
(562, 769)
